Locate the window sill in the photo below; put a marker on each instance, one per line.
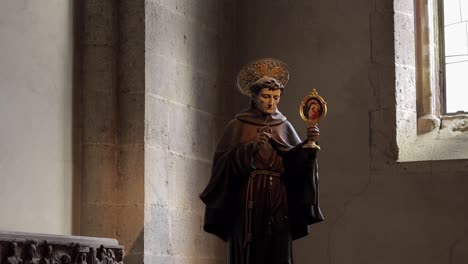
(449, 142)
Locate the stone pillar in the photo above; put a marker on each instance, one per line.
(188, 97)
(158, 83)
(112, 191)
(99, 117)
(427, 62)
(131, 128)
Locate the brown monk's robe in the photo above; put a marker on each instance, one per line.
(283, 206)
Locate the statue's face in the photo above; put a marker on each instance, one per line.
(267, 100)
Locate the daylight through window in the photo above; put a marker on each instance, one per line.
(456, 55)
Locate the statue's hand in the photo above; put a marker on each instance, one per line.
(264, 134)
(313, 133)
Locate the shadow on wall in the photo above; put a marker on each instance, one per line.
(76, 115)
(138, 246)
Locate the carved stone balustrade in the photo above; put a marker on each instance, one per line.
(28, 248)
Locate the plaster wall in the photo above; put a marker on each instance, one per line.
(188, 64)
(36, 116)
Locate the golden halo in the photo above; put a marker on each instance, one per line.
(255, 70)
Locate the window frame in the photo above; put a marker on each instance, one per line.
(422, 131)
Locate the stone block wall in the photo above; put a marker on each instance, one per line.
(99, 48)
(154, 103)
(158, 87)
(403, 197)
(189, 89)
(112, 144)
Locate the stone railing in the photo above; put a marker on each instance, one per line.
(28, 248)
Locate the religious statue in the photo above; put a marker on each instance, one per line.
(263, 191)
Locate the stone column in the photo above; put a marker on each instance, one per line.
(427, 66)
(131, 128)
(157, 86)
(112, 190)
(189, 87)
(99, 117)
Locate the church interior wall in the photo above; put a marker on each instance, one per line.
(163, 103)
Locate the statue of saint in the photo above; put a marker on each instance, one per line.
(263, 191)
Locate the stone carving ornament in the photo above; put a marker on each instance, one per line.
(81, 255)
(107, 256)
(65, 259)
(119, 256)
(20, 251)
(49, 256)
(29, 253)
(11, 254)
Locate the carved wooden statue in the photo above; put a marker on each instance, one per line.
(263, 191)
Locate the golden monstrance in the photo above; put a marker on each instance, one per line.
(313, 109)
